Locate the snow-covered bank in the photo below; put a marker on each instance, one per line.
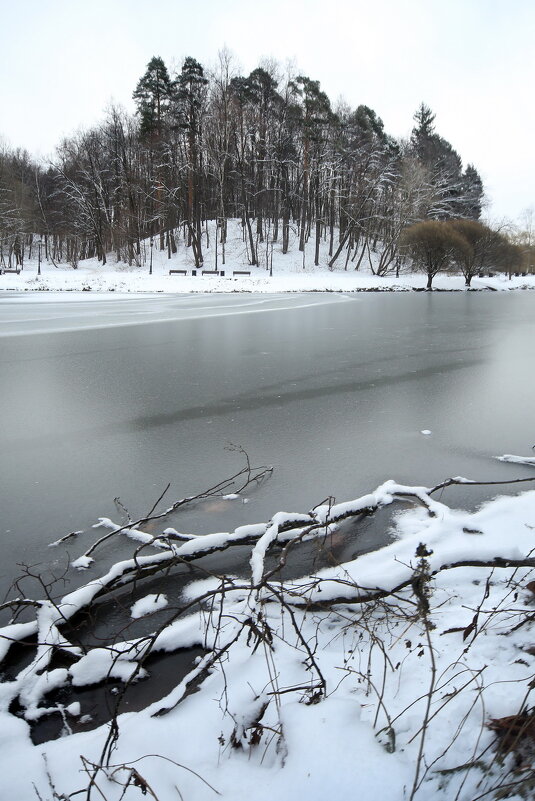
(99, 279)
(277, 272)
(387, 675)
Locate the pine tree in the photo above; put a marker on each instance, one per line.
(368, 121)
(263, 93)
(152, 96)
(243, 95)
(189, 97)
(316, 113)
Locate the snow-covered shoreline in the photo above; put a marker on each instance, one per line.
(389, 673)
(136, 281)
(276, 272)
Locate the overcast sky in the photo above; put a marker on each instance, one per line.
(472, 61)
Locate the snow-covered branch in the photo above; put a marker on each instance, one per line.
(448, 586)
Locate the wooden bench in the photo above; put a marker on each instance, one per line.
(178, 272)
(213, 272)
(10, 270)
(241, 272)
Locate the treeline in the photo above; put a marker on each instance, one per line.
(270, 151)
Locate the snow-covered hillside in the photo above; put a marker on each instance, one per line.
(277, 272)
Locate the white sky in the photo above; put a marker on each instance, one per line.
(472, 61)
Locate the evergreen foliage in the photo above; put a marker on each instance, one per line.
(152, 96)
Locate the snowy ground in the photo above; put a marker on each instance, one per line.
(384, 677)
(290, 273)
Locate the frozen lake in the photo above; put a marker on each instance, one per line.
(117, 396)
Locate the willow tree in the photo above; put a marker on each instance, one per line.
(483, 244)
(434, 246)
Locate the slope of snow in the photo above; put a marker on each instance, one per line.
(291, 272)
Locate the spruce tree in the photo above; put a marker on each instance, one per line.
(472, 194)
(424, 119)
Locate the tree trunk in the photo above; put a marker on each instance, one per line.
(304, 206)
(340, 247)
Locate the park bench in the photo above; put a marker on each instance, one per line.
(15, 270)
(178, 272)
(213, 272)
(241, 272)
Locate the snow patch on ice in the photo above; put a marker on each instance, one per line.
(509, 457)
(82, 563)
(148, 605)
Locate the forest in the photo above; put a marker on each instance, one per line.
(267, 149)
